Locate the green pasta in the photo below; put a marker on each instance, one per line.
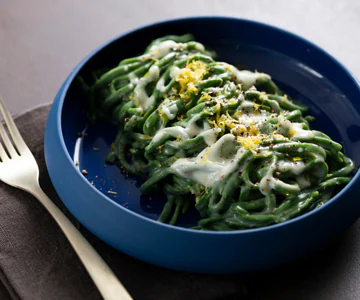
(226, 141)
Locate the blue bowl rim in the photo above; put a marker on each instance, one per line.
(69, 80)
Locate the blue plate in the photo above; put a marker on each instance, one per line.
(110, 205)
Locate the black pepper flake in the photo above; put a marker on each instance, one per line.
(79, 134)
(126, 120)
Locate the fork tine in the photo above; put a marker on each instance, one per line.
(8, 144)
(3, 155)
(14, 132)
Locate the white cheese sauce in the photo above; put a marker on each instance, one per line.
(160, 50)
(293, 130)
(246, 78)
(213, 163)
(169, 109)
(174, 71)
(141, 97)
(191, 130)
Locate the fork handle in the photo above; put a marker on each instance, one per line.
(105, 280)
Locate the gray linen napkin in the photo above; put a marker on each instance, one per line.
(37, 262)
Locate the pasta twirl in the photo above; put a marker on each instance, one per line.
(207, 134)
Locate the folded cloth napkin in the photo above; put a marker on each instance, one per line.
(37, 262)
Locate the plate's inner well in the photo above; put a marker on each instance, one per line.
(334, 113)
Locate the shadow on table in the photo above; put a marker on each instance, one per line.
(328, 274)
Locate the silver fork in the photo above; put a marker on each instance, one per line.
(18, 168)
